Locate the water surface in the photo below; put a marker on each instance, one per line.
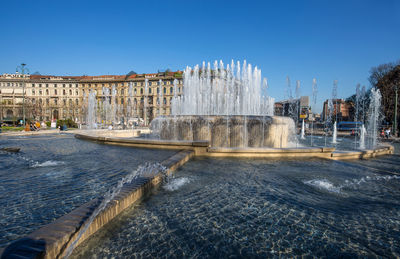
(262, 208)
(54, 174)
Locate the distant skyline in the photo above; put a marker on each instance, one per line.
(326, 40)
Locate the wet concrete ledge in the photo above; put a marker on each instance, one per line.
(201, 148)
(52, 240)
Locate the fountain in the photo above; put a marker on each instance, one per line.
(227, 106)
(334, 135)
(374, 117)
(362, 137)
(302, 135)
(92, 108)
(224, 111)
(314, 102)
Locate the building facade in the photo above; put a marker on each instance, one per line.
(298, 109)
(340, 110)
(44, 98)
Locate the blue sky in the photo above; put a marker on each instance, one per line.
(328, 40)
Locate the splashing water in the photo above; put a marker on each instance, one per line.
(324, 184)
(223, 90)
(147, 170)
(302, 135)
(176, 183)
(334, 136)
(47, 163)
(362, 137)
(374, 117)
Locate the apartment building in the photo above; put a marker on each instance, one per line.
(43, 97)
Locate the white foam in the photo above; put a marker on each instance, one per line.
(47, 163)
(323, 184)
(175, 184)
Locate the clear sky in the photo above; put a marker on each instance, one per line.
(329, 40)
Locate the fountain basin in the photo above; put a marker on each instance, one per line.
(227, 131)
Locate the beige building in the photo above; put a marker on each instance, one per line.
(65, 97)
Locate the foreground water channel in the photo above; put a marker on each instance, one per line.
(210, 207)
(262, 208)
(54, 174)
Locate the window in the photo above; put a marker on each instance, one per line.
(76, 92)
(149, 90)
(165, 90)
(33, 92)
(171, 90)
(165, 100)
(149, 83)
(141, 90)
(122, 91)
(70, 85)
(76, 101)
(70, 92)
(47, 85)
(40, 92)
(55, 85)
(135, 91)
(47, 91)
(63, 91)
(65, 102)
(63, 85)
(33, 85)
(40, 85)
(158, 90)
(55, 101)
(76, 85)
(122, 100)
(47, 101)
(55, 91)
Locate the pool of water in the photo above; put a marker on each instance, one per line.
(262, 208)
(342, 143)
(54, 174)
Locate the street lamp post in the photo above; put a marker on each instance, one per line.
(22, 69)
(395, 112)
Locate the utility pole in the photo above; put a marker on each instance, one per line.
(395, 112)
(22, 69)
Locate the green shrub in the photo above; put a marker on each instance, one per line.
(69, 122)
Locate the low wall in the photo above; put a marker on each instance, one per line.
(52, 240)
(227, 131)
(201, 148)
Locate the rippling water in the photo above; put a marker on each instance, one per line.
(262, 208)
(54, 174)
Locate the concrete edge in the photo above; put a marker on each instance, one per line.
(370, 153)
(201, 148)
(58, 235)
